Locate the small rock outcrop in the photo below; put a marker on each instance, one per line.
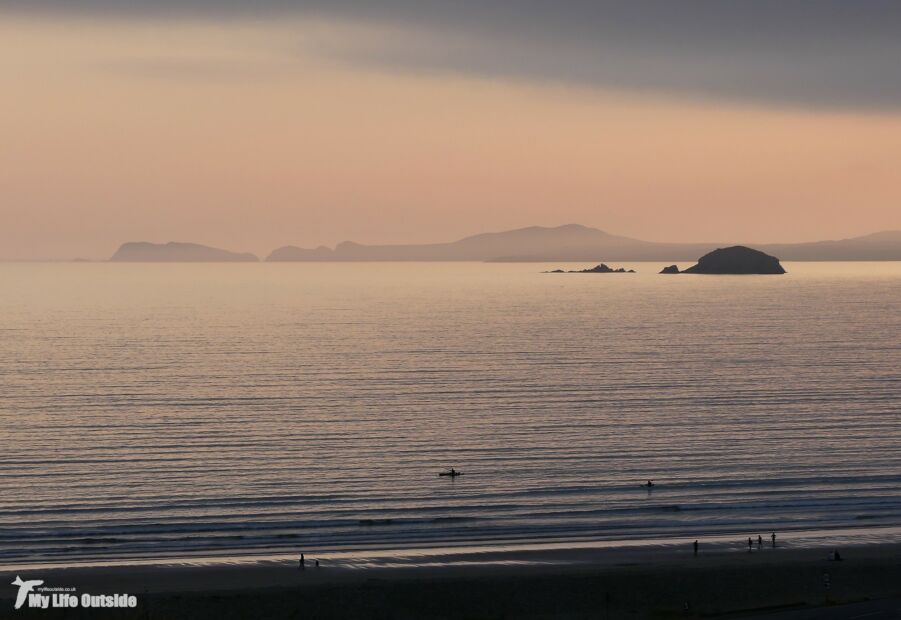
(737, 259)
(602, 268)
(670, 269)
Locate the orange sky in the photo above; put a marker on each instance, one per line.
(244, 135)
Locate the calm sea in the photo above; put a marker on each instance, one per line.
(177, 410)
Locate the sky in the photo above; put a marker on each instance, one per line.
(252, 125)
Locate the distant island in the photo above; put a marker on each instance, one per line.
(173, 252)
(576, 243)
(738, 259)
(602, 268)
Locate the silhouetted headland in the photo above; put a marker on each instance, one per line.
(177, 252)
(735, 260)
(602, 268)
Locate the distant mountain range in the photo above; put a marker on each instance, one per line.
(573, 242)
(569, 243)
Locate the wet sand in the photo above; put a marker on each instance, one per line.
(653, 582)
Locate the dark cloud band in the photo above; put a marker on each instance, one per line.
(816, 53)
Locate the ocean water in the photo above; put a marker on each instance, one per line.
(152, 410)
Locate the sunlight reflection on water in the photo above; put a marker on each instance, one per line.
(196, 409)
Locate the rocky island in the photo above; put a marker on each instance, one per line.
(173, 252)
(602, 268)
(737, 259)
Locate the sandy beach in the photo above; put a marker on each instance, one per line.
(640, 582)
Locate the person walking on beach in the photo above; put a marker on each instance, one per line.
(759, 541)
(696, 547)
(301, 562)
(749, 544)
(774, 539)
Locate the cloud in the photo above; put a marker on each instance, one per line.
(812, 53)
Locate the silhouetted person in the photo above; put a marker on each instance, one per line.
(836, 556)
(759, 541)
(649, 484)
(317, 563)
(301, 562)
(749, 544)
(696, 547)
(774, 539)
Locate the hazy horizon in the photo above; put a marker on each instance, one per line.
(263, 254)
(315, 123)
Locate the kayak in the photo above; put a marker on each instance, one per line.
(452, 474)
